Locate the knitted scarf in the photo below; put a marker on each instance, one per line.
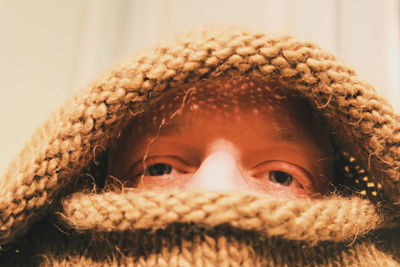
(54, 212)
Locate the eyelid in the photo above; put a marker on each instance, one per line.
(288, 167)
(139, 167)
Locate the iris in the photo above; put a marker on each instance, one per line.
(159, 169)
(280, 177)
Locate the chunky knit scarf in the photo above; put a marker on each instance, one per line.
(52, 214)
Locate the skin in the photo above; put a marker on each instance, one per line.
(228, 134)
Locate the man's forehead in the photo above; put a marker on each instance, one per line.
(273, 130)
(227, 97)
(229, 88)
(274, 123)
(224, 94)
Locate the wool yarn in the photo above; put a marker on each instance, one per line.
(47, 218)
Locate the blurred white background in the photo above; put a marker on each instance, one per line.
(49, 48)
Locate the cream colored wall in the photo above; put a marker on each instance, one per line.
(38, 45)
(49, 48)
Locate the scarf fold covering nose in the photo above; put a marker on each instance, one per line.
(307, 220)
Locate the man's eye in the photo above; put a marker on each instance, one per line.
(159, 166)
(158, 169)
(281, 173)
(280, 177)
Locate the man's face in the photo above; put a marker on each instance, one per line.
(233, 135)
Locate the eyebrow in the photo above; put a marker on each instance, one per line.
(288, 134)
(173, 128)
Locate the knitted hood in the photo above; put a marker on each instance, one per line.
(50, 215)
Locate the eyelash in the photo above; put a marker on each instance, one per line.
(299, 174)
(262, 170)
(140, 168)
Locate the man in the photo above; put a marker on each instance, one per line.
(237, 134)
(221, 148)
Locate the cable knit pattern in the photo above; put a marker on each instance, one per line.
(366, 256)
(246, 252)
(189, 244)
(307, 220)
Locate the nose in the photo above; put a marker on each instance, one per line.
(220, 170)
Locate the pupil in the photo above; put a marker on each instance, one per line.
(280, 177)
(159, 169)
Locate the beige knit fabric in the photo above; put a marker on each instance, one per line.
(306, 220)
(72, 140)
(229, 247)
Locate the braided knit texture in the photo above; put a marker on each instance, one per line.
(83, 127)
(305, 220)
(230, 250)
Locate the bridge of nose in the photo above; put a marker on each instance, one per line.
(220, 169)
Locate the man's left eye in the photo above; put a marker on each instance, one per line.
(283, 173)
(158, 169)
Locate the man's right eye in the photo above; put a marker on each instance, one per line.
(280, 177)
(158, 169)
